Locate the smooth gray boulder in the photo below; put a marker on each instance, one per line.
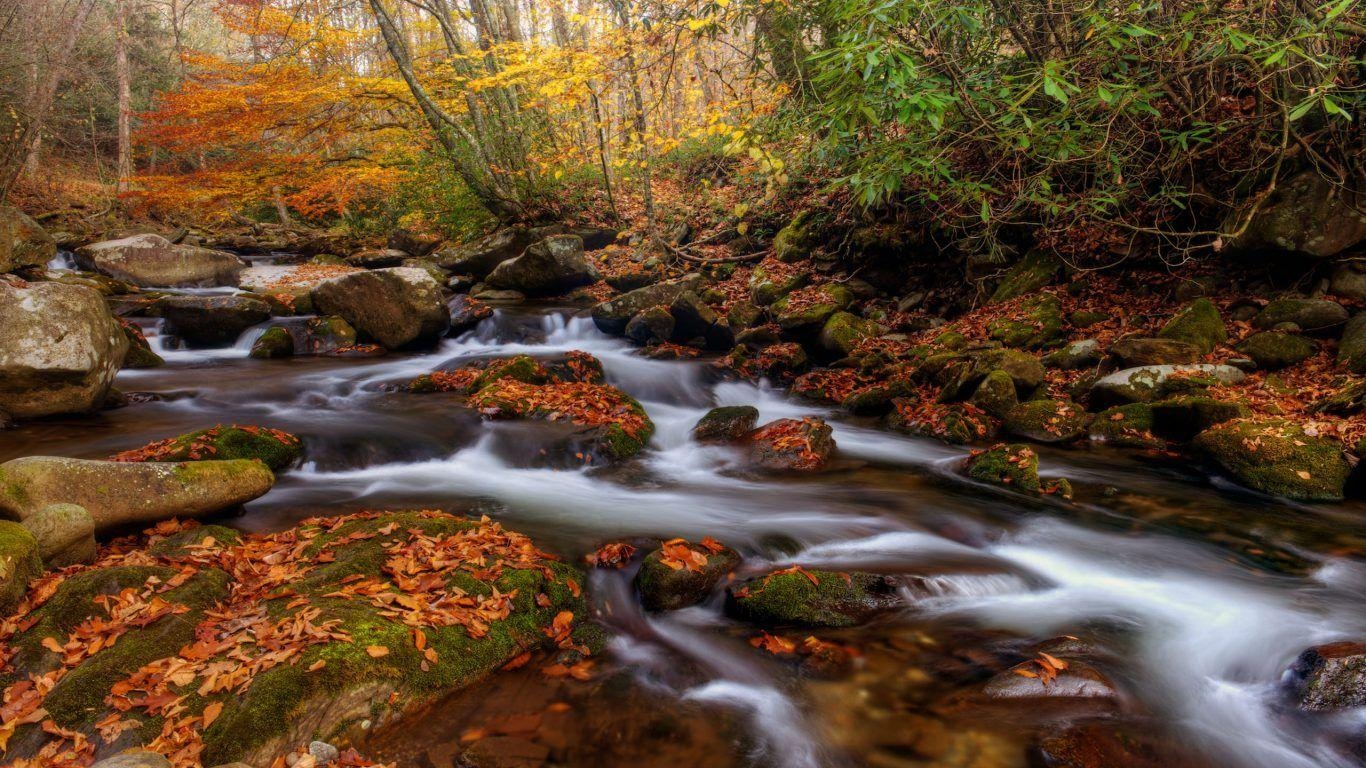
(60, 349)
(23, 243)
(65, 534)
(152, 261)
(1151, 382)
(396, 308)
(119, 494)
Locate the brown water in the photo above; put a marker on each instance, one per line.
(1190, 595)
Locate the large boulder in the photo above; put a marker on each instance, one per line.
(118, 494)
(246, 649)
(1307, 214)
(417, 244)
(211, 321)
(1153, 382)
(152, 261)
(397, 308)
(59, 349)
(613, 316)
(65, 534)
(1278, 457)
(19, 563)
(1331, 676)
(1308, 315)
(551, 267)
(23, 243)
(1352, 347)
(478, 259)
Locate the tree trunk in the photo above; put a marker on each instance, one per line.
(125, 106)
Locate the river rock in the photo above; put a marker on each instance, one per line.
(275, 448)
(652, 325)
(812, 598)
(768, 283)
(1047, 421)
(613, 424)
(1309, 315)
(377, 258)
(65, 534)
(118, 494)
(1152, 382)
(479, 258)
(466, 313)
(1078, 681)
(416, 244)
(1352, 346)
(1197, 323)
(726, 424)
(681, 573)
(1016, 467)
(276, 343)
(808, 309)
(153, 261)
(792, 445)
(613, 316)
(19, 564)
(844, 330)
(1274, 350)
(211, 321)
(996, 394)
(1277, 457)
(397, 308)
(23, 242)
(60, 349)
(140, 354)
(1133, 353)
(1307, 214)
(1349, 280)
(551, 267)
(1331, 676)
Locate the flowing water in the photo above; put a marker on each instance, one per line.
(1195, 595)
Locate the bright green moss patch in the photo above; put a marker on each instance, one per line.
(1197, 323)
(1277, 457)
(19, 563)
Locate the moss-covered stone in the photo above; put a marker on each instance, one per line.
(1015, 466)
(1037, 269)
(621, 427)
(877, 399)
(1047, 421)
(996, 394)
(844, 330)
(1277, 457)
(275, 343)
(1274, 350)
(809, 308)
(767, 286)
(1352, 346)
(19, 563)
(1197, 323)
(186, 542)
(1309, 315)
(1085, 318)
(957, 423)
(1181, 418)
(726, 423)
(140, 354)
(1036, 324)
(798, 597)
(65, 534)
(1074, 356)
(952, 340)
(651, 325)
(795, 241)
(275, 448)
(667, 583)
(1127, 425)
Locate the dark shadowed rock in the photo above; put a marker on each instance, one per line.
(551, 267)
(1132, 353)
(23, 243)
(211, 321)
(1309, 315)
(1329, 676)
(397, 308)
(613, 316)
(812, 598)
(726, 424)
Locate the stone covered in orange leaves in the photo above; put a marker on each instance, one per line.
(792, 445)
(208, 647)
(681, 573)
(276, 448)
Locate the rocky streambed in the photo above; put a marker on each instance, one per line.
(452, 531)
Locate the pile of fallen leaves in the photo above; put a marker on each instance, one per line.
(459, 380)
(306, 275)
(242, 636)
(832, 385)
(593, 405)
(614, 555)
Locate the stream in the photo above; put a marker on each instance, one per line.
(1195, 594)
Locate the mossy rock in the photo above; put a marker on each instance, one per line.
(1347, 401)
(844, 330)
(952, 341)
(996, 394)
(814, 310)
(798, 597)
(65, 534)
(1274, 350)
(1277, 457)
(140, 354)
(1309, 315)
(616, 425)
(1037, 269)
(523, 368)
(1015, 466)
(726, 424)
(1037, 324)
(1047, 421)
(187, 542)
(1074, 356)
(19, 563)
(877, 399)
(275, 448)
(667, 585)
(651, 325)
(274, 344)
(1352, 346)
(1197, 323)
(795, 241)
(1126, 425)
(766, 288)
(1182, 418)
(1085, 318)
(958, 423)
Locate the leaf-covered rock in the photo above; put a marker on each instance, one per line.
(275, 448)
(1278, 457)
(681, 573)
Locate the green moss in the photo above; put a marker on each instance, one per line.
(1198, 323)
(834, 297)
(1038, 324)
(1085, 318)
(952, 340)
(1013, 466)
(179, 544)
(794, 242)
(765, 289)
(19, 563)
(1037, 269)
(811, 598)
(844, 330)
(1278, 458)
(996, 394)
(726, 423)
(523, 368)
(1128, 425)
(1274, 350)
(277, 450)
(1047, 421)
(275, 343)
(666, 589)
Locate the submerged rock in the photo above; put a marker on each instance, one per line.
(152, 261)
(60, 349)
(23, 242)
(551, 267)
(274, 448)
(118, 494)
(792, 445)
(391, 611)
(211, 321)
(1078, 680)
(397, 308)
(65, 534)
(680, 573)
(726, 424)
(812, 598)
(19, 563)
(1278, 457)
(1331, 676)
(466, 313)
